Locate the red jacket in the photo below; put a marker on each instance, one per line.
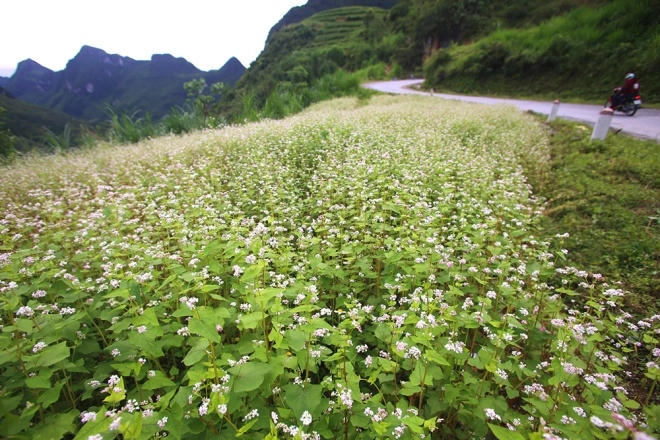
(631, 86)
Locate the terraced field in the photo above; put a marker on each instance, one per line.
(337, 27)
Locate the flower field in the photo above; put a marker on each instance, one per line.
(359, 271)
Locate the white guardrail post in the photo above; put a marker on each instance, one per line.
(603, 124)
(555, 109)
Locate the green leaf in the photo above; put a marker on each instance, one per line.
(360, 420)
(297, 339)
(204, 326)
(51, 396)
(409, 390)
(249, 376)
(434, 356)
(12, 424)
(304, 399)
(567, 291)
(414, 423)
(56, 426)
(418, 376)
(7, 356)
(251, 320)
(132, 427)
(98, 426)
(383, 332)
(9, 404)
(52, 355)
(251, 273)
(265, 295)
(245, 428)
(146, 341)
(197, 353)
(504, 433)
(116, 396)
(37, 382)
(158, 381)
(134, 288)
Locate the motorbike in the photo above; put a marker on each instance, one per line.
(626, 105)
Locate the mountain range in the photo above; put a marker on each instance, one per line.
(94, 79)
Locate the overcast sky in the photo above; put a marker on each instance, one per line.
(205, 32)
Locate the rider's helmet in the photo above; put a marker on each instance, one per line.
(630, 76)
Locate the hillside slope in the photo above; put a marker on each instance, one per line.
(569, 49)
(581, 54)
(300, 53)
(28, 122)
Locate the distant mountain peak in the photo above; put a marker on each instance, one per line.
(233, 62)
(90, 50)
(167, 64)
(89, 53)
(30, 65)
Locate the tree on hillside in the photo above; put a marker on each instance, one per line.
(201, 101)
(439, 23)
(375, 28)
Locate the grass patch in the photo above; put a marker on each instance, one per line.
(607, 194)
(549, 59)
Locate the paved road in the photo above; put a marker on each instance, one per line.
(645, 123)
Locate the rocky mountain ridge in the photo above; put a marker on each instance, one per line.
(94, 79)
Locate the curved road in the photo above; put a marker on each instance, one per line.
(645, 124)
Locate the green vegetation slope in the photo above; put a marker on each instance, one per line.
(297, 56)
(569, 49)
(580, 54)
(28, 124)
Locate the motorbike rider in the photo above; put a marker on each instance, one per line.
(628, 92)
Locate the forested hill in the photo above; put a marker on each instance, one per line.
(567, 49)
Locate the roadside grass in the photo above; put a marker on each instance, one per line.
(607, 195)
(548, 60)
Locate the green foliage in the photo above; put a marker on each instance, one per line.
(200, 101)
(181, 119)
(374, 271)
(58, 142)
(249, 110)
(124, 128)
